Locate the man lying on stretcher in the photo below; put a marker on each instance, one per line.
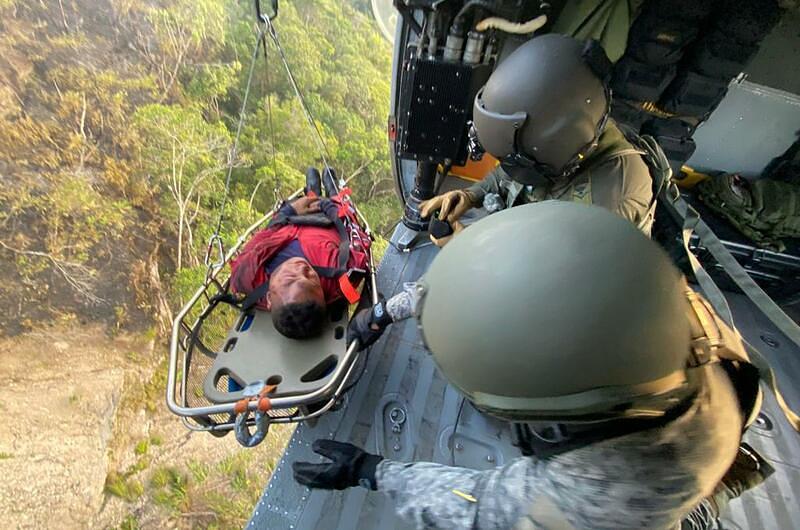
(310, 255)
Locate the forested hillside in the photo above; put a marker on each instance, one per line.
(117, 121)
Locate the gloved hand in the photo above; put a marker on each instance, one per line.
(350, 467)
(442, 241)
(369, 324)
(451, 205)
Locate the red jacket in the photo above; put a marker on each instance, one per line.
(320, 246)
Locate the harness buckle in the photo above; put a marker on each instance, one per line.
(704, 348)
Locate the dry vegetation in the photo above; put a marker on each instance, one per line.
(117, 120)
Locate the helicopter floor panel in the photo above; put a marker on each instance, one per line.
(401, 382)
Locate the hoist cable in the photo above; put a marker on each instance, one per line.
(216, 240)
(276, 188)
(320, 141)
(232, 156)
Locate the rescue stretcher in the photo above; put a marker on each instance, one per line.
(229, 369)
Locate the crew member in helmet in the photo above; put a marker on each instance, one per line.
(544, 114)
(647, 426)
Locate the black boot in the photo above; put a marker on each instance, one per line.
(329, 182)
(313, 182)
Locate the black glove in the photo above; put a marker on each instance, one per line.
(368, 325)
(350, 467)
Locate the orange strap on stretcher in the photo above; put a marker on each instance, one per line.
(348, 290)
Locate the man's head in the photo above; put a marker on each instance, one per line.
(296, 300)
(542, 110)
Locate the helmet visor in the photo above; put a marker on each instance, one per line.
(496, 132)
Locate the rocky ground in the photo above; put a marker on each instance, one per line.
(88, 442)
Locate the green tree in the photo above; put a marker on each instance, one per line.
(183, 31)
(185, 156)
(345, 78)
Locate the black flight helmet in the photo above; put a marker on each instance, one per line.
(543, 109)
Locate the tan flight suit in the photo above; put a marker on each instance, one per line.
(614, 176)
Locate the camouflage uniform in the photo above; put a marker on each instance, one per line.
(614, 176)
(649, 479)
(403, 305)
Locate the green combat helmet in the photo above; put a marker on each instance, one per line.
(574, 317)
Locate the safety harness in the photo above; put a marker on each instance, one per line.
(347, 229)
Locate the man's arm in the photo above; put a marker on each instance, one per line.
(404, 304)
(300, 206)
(438, 496)
(368, 325)
(624, 186)
(637, 192)
(433, 496)
(489, 184)
(284, 212)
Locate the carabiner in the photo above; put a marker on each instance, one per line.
(215, 241)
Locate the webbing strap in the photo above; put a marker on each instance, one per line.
(254, 296)
(692, 223)
(660, 170)
(348, 289)
(712, 292)
(344, 252)
(326, 272)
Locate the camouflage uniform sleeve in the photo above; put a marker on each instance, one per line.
(403, 305)
(646, 479)
(438, 496)
(489, 184)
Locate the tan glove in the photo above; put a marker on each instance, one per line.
(451, 205)
(442, 241)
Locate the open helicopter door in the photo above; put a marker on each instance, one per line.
(403, 409)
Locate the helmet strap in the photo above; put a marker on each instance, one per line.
(529, 175)
(544, 440)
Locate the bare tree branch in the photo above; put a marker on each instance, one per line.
(78, 276)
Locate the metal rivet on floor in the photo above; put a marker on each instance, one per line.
(763, 422)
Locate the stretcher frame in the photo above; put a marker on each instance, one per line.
(283, 409)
